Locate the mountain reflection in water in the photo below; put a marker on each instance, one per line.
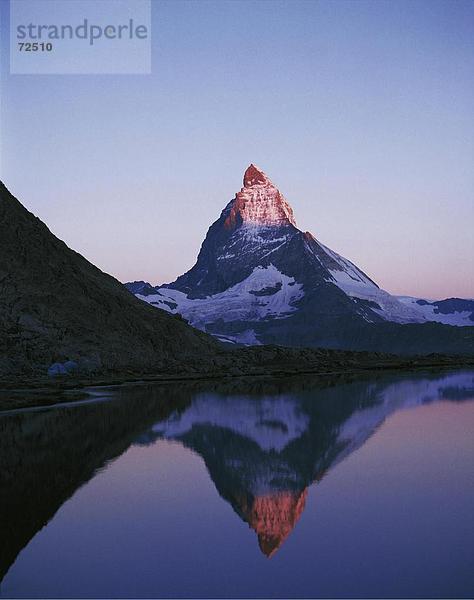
(263, 442)
(263, 451)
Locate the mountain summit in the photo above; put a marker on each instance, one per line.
(253, 226)
(259, 203)
(258, 279)
(255, 176)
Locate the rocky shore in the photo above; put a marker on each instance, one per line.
(251, 362)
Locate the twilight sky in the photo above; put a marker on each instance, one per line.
(362, 113)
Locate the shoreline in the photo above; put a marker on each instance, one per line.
(40, 393)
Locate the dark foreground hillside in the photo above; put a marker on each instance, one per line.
(56, 308)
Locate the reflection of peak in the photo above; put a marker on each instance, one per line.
(271, 422)
(263, 451)
(273, 517)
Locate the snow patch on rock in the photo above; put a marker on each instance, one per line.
(264, 294)
(428, 313)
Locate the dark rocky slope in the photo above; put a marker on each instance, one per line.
(56, 306)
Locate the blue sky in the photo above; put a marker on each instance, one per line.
(361, 112)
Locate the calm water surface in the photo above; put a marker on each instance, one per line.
(250, 489)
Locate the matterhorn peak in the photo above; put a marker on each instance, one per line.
(255, 176)
(258, 279)
(259, 203)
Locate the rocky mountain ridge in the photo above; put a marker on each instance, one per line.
(258, 279)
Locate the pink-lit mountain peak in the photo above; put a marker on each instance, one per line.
(255, 176)
(259, 203)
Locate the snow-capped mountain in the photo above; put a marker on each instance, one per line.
(260, 279)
